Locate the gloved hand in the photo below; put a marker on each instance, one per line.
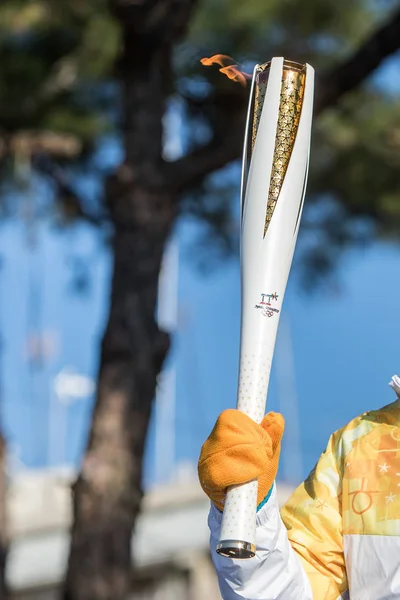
(239, 450)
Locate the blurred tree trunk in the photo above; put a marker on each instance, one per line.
(107, 494)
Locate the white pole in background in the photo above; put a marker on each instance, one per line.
(68, 387)
(292, 459)
(167, 319)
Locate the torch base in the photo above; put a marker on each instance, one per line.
(236, 549)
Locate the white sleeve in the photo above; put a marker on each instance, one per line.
(274, 573)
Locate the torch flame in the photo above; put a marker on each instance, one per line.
(232, 71)
(218, 59)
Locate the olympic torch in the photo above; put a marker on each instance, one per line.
(274, 176)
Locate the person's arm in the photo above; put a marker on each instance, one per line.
(300, 553)
(313, 519)
(275, 572)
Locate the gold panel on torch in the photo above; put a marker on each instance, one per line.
(290, 104)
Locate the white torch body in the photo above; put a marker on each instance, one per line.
(275, 169)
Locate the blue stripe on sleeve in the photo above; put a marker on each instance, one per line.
(259, 507)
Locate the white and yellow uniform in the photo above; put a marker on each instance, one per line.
(338, 537)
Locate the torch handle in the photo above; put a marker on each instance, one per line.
(238, 529)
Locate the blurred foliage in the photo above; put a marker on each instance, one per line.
(52, 53)
(58, 76)
(316, 31)
(353, 193)
(357, 157)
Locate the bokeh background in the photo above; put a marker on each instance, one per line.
(118, 148)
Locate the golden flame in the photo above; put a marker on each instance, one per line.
(217, 59)
(232, 71)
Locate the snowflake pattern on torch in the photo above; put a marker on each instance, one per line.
(290, 104)
(291, 101)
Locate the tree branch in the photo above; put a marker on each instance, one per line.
(72, 201)
(192, 168)
(166, 20)
(329, 89)
(352, 72)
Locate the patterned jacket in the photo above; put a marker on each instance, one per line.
(339, 534)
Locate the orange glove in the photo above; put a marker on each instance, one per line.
(239, 450)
